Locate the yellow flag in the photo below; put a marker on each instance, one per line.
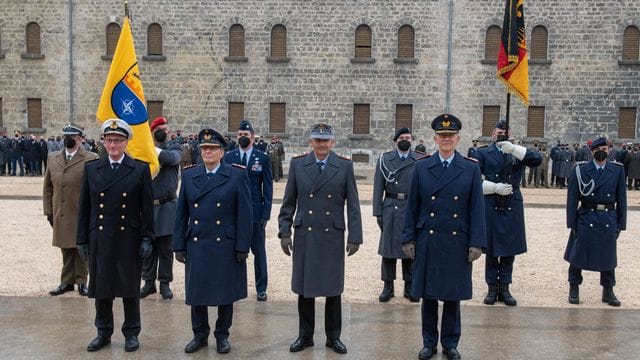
(123, 98)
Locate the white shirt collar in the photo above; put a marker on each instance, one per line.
(215, 169)
(72, 154)
(119, 161)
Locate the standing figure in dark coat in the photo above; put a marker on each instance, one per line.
(159, 265)
(391, 184)
(596, 213)
(444, 233)
(318, 185)
(258, 167)
(632, 163)
(212, 238)
(566, 160)
(273, 150)
(115, 232)
(473, 149)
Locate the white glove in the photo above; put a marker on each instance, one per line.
(489, 187)
(508, 147)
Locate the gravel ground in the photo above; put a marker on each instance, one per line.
(31, 265)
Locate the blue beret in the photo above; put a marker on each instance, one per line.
(446, 124)
(401, 131)
(210, 137)
(602, 141)
(502, 124)
(321, 131)
(246, 125)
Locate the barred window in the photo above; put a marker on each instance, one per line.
(236, 114)
(279, 42)
(490, 117)
(155, 109)
(236, 41)
(404, 116)
(113, 34)
(154, 39)
(535, 122)
(361, 118)
(492, 42)
(277, 117)
(406, 40)
(539, 43)
(363, 42)
(627, 123)
(631, 43)
(34, 113)
(33, 39)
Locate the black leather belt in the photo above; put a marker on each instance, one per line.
(600, 207)
(399, 196)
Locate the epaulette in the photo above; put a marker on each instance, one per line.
(425, 156)
(343, 157)
(420, 152)
(483, 146)
(470, 158)
(188, 167)
(239, 166)
(617, 163)
(301, 155)
(93, 158)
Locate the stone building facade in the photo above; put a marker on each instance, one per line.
(582, 85)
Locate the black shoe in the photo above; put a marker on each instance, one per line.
(262, 296)
(223, 346)
(337, 346)
(505, 296)
(451, 354)
(63, 288)
(574, 294)
(165, 291)
(609, 297)
(387, 292)
(83, 290)
(148, 289)
(195, 345)
(98, 343)
(492, 294)
(427, 353)
(407, 293)
(131, 343)
(300, 344)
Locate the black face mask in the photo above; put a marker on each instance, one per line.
(160, 136)
(404, 145)
(244, 141)
(600, 155)
(69, 142)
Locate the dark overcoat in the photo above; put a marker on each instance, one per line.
(565, 163)
(260, 181)
(445, 216)
(115, 213)
(213, 221)
(632, 162)
(393, 176)
(594, 246)
(313, 204)
(165, 185)
(505, 229)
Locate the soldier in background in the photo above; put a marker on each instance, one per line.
(543, 168)
(420, 147)
(273, 151)
(281, 153)
(61, 198)
(473, 149)
(4, 146)
(632, 162)
(391, 185)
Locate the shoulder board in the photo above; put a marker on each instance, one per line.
(239, 166)
(581, 162)
(188, 167)
(483, 146)
(425, 156)
(420, 152)
(470, 158)
(343, 157)
(92, 157)
(617, 163)
(301, 155)
(141, 162)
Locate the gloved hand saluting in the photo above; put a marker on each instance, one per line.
(509, 148)
(286, 244)
(474, 253)
(409, 249)
(489, 187)
(145, 248)
(352, 248)
(181, 256)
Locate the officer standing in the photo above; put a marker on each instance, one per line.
(258, 168)
(212, 238)
(391, 183)
(273, 150)
(317, 187)
(502, 165)
(596, 221)
(115, 232)
(473, 149)
(160, 263)
(444, 233)
(61, 197)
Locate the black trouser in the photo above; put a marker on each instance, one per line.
(607, 278)
(74, 270)
(388, 272)
(161, 258)
(332, 317)
(104, 317)
(200, 321)
(533, 175)
(450, 326)
(498, 269)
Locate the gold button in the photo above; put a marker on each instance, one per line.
(100, 227)
(218, 204)
(195, 238)
(195, 222)
(310, 195)
(309, 228)
(432, 214)
(122, 217)
(329, 196)
(217, 239)
(328, 213)
(454, 233)
(310, 212)
(124, 194)
(455, 197)
(433, 198)
(124, 206)
(122, 228)
(100, 217)
(217, 222)
(455, 216)
(195, 205)
(431, 232)
(101, 206)
(101, 194)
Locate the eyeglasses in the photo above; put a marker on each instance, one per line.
(114, 141)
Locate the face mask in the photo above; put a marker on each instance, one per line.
(69, 142)
(160, 136)
(600, 155)
(244, 141)
(404, 145)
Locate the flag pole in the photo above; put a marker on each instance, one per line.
(126, 8)
(506, 132)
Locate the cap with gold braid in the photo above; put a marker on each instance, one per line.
(210, 137)
(446, 124)
(117, 126)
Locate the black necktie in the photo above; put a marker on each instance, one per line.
(402, 158)
(114, 166)
(320, 165)
(244, 159)
(69, 157)
(210, 175)
(445, 164)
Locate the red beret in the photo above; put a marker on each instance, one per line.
(157, 122)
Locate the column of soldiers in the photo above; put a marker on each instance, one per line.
(437, 213)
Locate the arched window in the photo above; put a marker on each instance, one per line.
(363, 42)
(406, 41)
(492, 42)
(279, 42)
(631, 43)
(539, 43)
(154, 39)
(236, 41)
(33, 39)
(113, 34)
